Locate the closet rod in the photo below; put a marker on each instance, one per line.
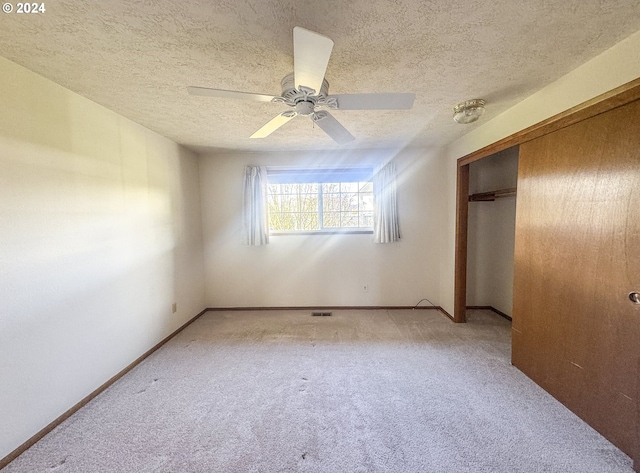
(493, 195)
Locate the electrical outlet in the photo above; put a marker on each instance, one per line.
(365, 288)
(174, 307)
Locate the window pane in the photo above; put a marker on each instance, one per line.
(282, 221)
(309, 188)
(330, 202)
(308, 221)
(274, 221)
(290, 203)
(366, 186)
(289, 188)
(349, 201)
(309, 202)
(349, 187)
(366, 202)
(331, 220)
(349, 219)
(273, 202)
(366, 219)
(330, 187)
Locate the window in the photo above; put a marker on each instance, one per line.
(320, 200)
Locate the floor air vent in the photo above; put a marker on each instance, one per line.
(321, 314)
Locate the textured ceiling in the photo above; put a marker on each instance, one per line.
(137, 57)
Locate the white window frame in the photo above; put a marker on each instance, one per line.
(321, 176)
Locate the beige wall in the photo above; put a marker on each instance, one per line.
(491, 234)
(100, 233)
(321, 270)
(614, 67)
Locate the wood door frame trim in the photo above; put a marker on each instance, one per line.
(462, 221)
(615, 98)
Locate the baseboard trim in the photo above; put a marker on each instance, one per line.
(326, 307)
(446, 313)
(55, 423)
(493, 309)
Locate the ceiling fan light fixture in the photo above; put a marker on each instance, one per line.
(468, 111)
(305, 108)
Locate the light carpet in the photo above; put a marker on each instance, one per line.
(360, 391)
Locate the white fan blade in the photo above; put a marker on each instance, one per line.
(273, 125)
(374, 101)
(311, 52)
(230, 94)
(332, 127)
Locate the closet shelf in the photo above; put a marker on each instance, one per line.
(493, 195)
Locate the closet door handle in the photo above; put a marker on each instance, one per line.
(634, 297)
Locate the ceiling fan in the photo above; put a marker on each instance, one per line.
(306, 91)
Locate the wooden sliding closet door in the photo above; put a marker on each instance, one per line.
(577, 258)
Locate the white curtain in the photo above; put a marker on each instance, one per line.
(254, 211)
(386, 226)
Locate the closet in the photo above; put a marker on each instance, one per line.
(576, 273)
(491, 231)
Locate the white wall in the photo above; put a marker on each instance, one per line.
(613, 68)
(321, 270)
(100, 233)
(491, 232)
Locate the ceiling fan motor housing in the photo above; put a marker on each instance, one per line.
(305, 100)
(289, 90)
